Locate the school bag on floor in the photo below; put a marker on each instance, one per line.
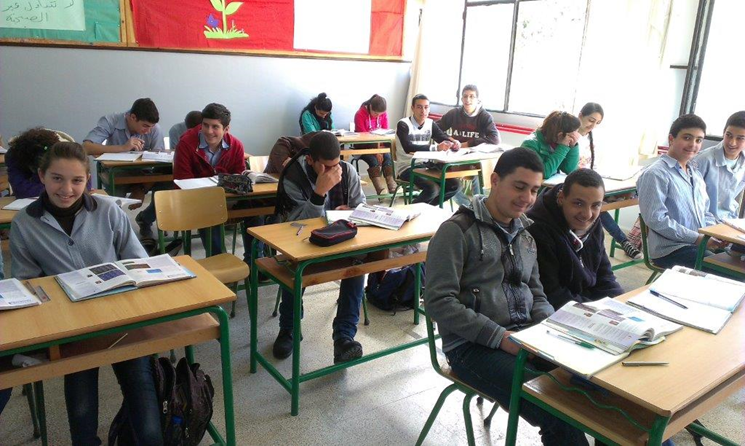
(185, 396)
(393, 290)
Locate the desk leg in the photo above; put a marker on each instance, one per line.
(227, 374)
(616, 214)
(701, 252)
(417, 290)
(297, 335)
(657, 431)
(252, 295)
(515, 398)
(41, 411)
(442, 184)
(411, 183)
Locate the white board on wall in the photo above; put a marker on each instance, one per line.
(338, 26)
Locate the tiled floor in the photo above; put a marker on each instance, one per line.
(382, 402)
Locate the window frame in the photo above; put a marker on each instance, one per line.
(513, 37)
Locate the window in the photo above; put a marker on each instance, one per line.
(525, 62)
(720, 91)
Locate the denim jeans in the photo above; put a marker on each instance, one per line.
(372, 160)
(135, 378)
(4, 397)
(612, 227)
(148, 214)
(347, 313)
(217, 241)
(430, 191)
(490, 372)
(685, 256)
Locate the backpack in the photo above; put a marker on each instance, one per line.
(185, 396)
(393, 290)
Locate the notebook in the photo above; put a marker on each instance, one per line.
(120, 156)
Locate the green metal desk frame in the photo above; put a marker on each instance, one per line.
(227, 376)
(162, 168)
(292, 385)
(656, 431)
(441, 181)
(712, 267)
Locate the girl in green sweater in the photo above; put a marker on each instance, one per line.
(316, 116)
(555, 141)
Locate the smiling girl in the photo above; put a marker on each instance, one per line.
(67, 229)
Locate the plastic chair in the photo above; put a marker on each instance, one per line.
(445, 371)
(656, 270)
(185, 210)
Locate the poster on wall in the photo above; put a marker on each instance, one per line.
(62, 15)
(368, 27)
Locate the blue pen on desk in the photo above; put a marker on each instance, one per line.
(572, 340)
(667, 299)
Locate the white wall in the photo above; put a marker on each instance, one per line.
(69, 89)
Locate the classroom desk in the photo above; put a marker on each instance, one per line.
(6, 216)
(113, 173)
(159, 318)
(368, 138)
(704, 370)
(302, 264)
(721, 262)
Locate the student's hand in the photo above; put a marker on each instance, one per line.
(343, 207)
(330, 177)
(507, 344)
(715, 244)
(570, 139)
(445, 145)
(133, 144)
(456, 144)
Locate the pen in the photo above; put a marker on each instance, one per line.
(572, 340)
(665, 298)
(299, 230)
(643, 363)
(117, 341)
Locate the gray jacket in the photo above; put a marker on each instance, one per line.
(468, 293)
(40, 247)
(298, 187)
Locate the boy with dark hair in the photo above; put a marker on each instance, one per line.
(313, 182)
(135, 129)
(483, 284)
(723, 169)
(414, 134)
(192, 119)
(673, 199)
(571, 249)
(207, 150)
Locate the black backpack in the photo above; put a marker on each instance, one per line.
(185, 396)
(393, 290)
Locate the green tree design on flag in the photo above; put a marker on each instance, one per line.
(226, 9)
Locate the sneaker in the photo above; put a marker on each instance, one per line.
(283, 344)
(346, 349)
(631, 250)
(145, 228)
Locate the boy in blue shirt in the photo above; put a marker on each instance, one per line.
(723, 169)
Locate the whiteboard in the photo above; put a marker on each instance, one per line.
(317, 27)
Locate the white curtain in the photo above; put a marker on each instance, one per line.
(437, 55)
(622, 68)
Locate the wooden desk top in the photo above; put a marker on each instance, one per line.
(6, 216)
(724, 232)
(699, 362)
(298, 248)
(364, 137)
(61, 318)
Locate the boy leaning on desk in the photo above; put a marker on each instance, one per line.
(313, 182)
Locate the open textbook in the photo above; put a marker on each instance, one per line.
(692, 298)
(382, 216)
(120, 156)
(14, 295)
(586, 338)
(260, 177)
(124, 275)
(162, 156)
(383, 132)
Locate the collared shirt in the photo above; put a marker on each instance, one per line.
(723, 183)
(114, 131)
(674, 205)
(174, 134)
(213, 158)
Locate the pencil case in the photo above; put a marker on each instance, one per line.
(336, 232)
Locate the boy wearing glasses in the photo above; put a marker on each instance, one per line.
(571, 250)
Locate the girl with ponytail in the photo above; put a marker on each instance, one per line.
(372, 116)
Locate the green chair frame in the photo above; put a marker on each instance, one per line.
(656, 270)
(469, 392)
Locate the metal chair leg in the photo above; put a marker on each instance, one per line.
(487, 420)
(364, 309)
(435, 411)
(467, 418)
(276, 303)
(232, 307)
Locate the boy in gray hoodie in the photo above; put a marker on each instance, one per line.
(483, 285)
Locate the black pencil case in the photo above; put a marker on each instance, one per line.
(336, 232)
